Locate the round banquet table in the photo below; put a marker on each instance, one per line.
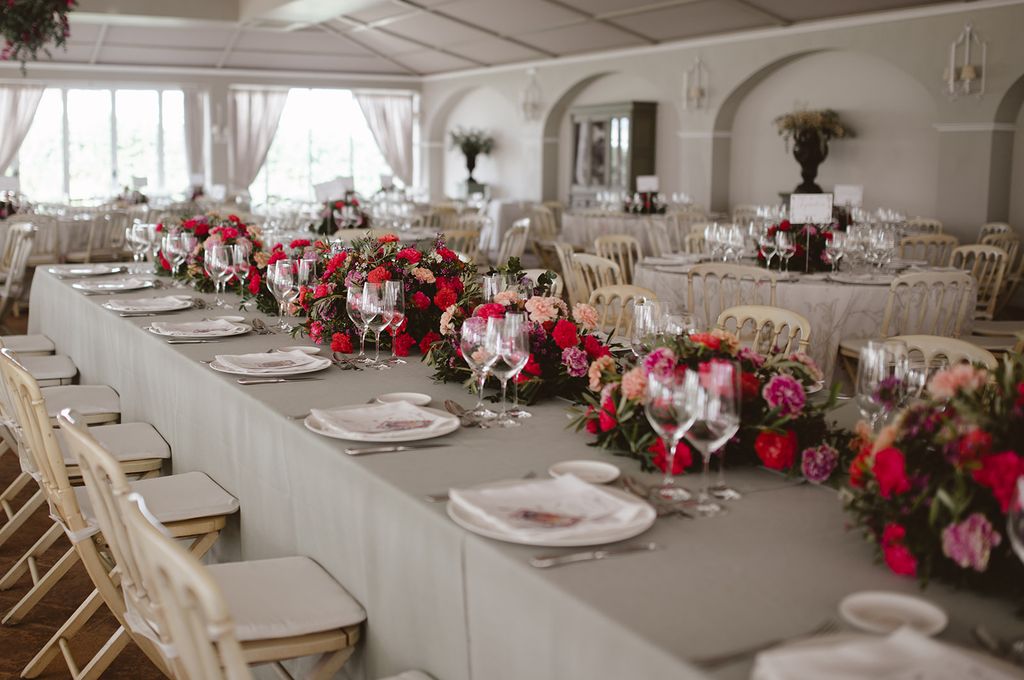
(837, 311)
(580, 229)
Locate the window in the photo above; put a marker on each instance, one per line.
(89, 143)
(322, 135)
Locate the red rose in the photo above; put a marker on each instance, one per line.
(750, 386)
(784, 225)
(490, 310)
(420, 300)
(999, 473)
(299, 243)
(447, 254)
(594, 348)
(340, 342)
(607, 419)
(565, 334)
(531, 369)
(890, 470)
(276, 256)
(973, 445)
(428, 340)
(410, 255)
(202, 229)
(776, 451)
(339, 204)
(403, 343)
(234, 218)
(706, 339)
(897, 556)
(683, 458)
(254, 282)
(164, 264)
(445, 298)
(378, 275)
(388, 238)
(453, 282)
(335, 263)
(591, 424)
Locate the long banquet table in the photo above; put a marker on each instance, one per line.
(449, 602)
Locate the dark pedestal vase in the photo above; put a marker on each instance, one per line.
(470, 165)
(810, 151)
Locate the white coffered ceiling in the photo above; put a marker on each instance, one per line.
(411, 37)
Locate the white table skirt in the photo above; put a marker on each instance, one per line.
(580, 229)
(451, 603)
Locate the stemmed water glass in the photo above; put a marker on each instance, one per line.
(766, 241)
(715, 404)
(473, 344)
(518, 411)
(175, 253)
(395, 291)
(353, 307)
(835, 248)
(240, 265)
(281, 277)
(669, 410)
(377, 314)
(786, 246)
(881, 379)
(137, 236)
(217, 260)
(508, 346)
(644, 333)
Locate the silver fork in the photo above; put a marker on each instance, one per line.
(829, 626)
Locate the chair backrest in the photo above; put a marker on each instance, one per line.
(592, 272)
(565, 253)
(614, 305)
(720, 286)
(472, 222)
(22, 241)
(742, 214)
(771, 326)
(189, 606)
(994, 228)
(677, 225)
(935, 248)
(556, 280)
(557, 209)
(935, 303)
(693, 242)
(924, 225)
(623, 250)
(954, 351)
(543, 224)
(987, 264)
(48, 243)
(658, 238)
(513, 243)
(464, 242)
(1009, 242)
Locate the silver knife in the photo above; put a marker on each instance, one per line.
(194, 341)
(548, 561)
(389, 449)
(270, 381)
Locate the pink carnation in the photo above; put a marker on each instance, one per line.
(962, 377)
(970, 542)
(784, 393)
(585, 315)
(597, 369)
(634, 383)
(542, 309)
(506, 298)
(423, 275)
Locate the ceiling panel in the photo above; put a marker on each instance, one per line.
(595, 7)
(382, 42)
(434, 30)
(495, 51)
(151, 36)
(699, 18)
(512, 18)
(803, 10)
(314, 40)
(309, 62)
(383, 10)
(159, 56)
(580, 38)
(430, 61)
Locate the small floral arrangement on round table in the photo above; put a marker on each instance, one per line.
(933, 489)
(562, 342)
(434, 278)
(344, 213)
(810, 241)
(780, 427)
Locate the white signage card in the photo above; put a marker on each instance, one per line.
(345, 184)
(849, 195)
(218, 192)
(322, 191)
(139, 182)
(810, 208)
(647, 183)
(10, 184)
(387, 181)
(197, 179)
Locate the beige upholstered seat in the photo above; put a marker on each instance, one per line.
(987, 264)
(125, 441)
(924, 225)
(591, 273)
(96, 403)
(614, 305)
(621, 249)
(773, 328)
(955, 351)
(174, 498)
(727, 285)
(27, 345)
(52, 370)
(936, 249)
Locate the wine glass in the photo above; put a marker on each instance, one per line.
(353, 307)
(766, 241)
(217, 260)
(281, 276)
(835, 248)
(137, 236)
(518, 411)
(669, 410)
(240, 264)
(715, 404)
(786, 246)
(395, 291)
(644, 333)
(509, 347)
(678, 325)
(174, 253)
(473, 344)
(881, 372)
(377, 314)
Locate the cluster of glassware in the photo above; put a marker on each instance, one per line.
(869, 246)
(392, 210)
(374, 308)
(878, 217)
(781, 244)
(888, 379)
(725, 241)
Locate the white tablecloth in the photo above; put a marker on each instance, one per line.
(456, 605)
(580, 229)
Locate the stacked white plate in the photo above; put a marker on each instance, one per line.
(169, 303)
(114, 285)
(869, 279)
(79, 270)
(269, 364)
(397, 421)
(208, 328)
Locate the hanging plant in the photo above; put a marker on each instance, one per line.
(29, 26)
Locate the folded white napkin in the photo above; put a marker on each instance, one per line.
(550, 509)
(265, 362)
(193, 328)
(903, 655)
(394, 418)
(147, 304)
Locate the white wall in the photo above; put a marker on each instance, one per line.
(894, 155)
(490, 110)
(1017, 178)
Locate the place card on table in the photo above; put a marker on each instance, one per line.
(810, 209)
(322, 191)
(345, 184)
(647, 183)
(849, 195)
(387, 181)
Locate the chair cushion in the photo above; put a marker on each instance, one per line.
(29, 344)
(190, 495)
(284, 597)
(126, 441)
(88, 400)
(50, 367)
(1008, 328)
(993, 343)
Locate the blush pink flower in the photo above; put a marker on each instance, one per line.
(597, 370)
(970, 542)
(446, 325)
(423, 275)
(634, 383)
(542, 309)
(962, 377)
(506, 298)
(585, 315)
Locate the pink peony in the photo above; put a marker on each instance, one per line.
(585, 315)
(970, 542)
(785, 393)
(962, 377)
(634, 383)
(660, 362)
(542, 309)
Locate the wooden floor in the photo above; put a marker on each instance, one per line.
(18, 644)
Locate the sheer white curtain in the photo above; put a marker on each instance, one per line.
(194, 104)
(389, 117)
(254, 117)
(18, 104)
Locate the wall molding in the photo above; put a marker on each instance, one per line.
(704, 134)
(975, 127)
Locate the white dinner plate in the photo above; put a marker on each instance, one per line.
(642, 523)
(414, 398)
(113, 286)
(450, 424)
(590, 471)
(161, 304)
(236, 329)
(318, 365)
(69, 271)
(815, 388)
(879, 611)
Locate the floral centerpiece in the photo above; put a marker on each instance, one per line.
(344, 213)
(563, 342)
(435, 280)
(811, 132)
(811, 242)
(780, 427)
(210, 229)
(257, 287)
(933, 489)
(28, 26)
